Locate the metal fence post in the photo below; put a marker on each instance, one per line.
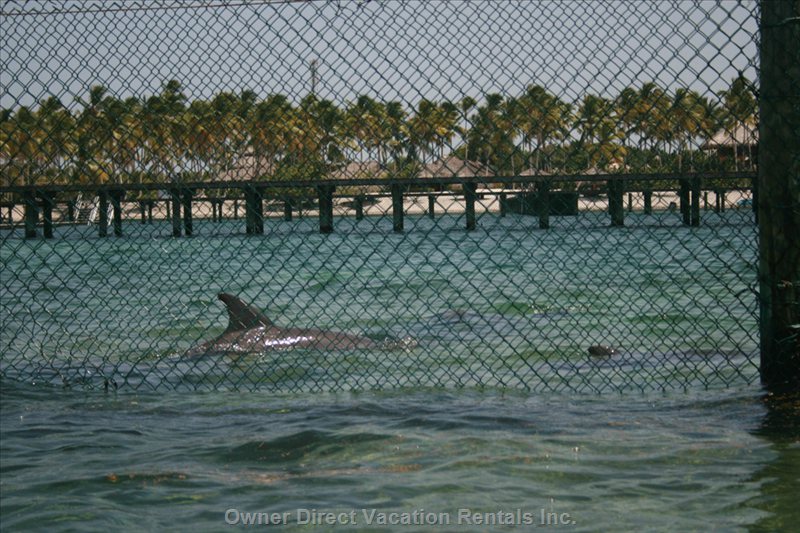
(779, 195)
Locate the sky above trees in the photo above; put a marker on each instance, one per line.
(388, 50)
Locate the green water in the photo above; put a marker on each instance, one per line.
(495, 413)
(507, 305)
(718, 460)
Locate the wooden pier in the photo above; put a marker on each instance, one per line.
(539, 196)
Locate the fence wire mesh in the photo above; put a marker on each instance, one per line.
(325, 196)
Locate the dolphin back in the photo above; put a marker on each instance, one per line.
(241, 316)
(249, 331)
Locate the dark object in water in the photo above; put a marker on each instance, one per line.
(600, 350)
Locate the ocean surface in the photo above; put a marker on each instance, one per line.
(492, 416)
(720, 460)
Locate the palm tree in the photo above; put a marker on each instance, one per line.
(201, 143)
(122, 135)
(91, 138)
(422, 127)
(162, 117)
(325, 121)
(307, 137)
(55, 125)
(367, 125)
(433, 127)
(228, 132)
(466, 105)
(625, 109)
(691, 116)
(269, 129)
(492, 134)
(247, 101)
(397, 125)
(651, 115)
(538, 117)
(599, 127)
(445, 126)
(164, 135)
(7, 146)
(739, 110)
(20, 147)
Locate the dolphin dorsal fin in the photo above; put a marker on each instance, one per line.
(242, 316)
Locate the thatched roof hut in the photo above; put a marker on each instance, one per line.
(533, 172)
(739, 142)
(369, 169)
(454, 167)
(247, 168)
(741, 134)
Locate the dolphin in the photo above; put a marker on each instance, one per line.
(249, 331)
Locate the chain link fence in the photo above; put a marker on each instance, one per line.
(349, 195)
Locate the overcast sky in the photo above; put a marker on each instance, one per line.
(386, 49)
